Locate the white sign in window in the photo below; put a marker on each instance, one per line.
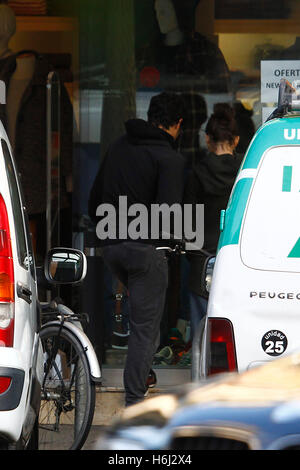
(272, 71)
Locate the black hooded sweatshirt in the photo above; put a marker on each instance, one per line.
(142, 165)
(210, 183)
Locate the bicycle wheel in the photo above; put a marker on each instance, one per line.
(68, 394)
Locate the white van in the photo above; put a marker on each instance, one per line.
(20, 351)
(254, 300)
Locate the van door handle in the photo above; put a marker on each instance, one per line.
(24, 293)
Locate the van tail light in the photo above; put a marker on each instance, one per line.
(7, 291)
(222, 355)
(4, 384)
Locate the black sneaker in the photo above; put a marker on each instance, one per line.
(151, 381)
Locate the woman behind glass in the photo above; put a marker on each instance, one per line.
(210, 183)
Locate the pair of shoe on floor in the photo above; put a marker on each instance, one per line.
(167, 355)
(175, 348)
(164, 357)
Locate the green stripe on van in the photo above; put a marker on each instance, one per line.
(287, 179)
(271, 134)
(235, 213)
(295, 253)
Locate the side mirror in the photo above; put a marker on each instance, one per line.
(207, 275)
(65, 266)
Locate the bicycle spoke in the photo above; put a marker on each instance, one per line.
(67, 396)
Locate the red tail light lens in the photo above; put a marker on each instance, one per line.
(7, 296)
(222, 357)
(4, 384)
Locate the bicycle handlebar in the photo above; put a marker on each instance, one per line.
(176, 249)
(183, 247)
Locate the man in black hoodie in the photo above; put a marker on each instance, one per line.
(144, 166)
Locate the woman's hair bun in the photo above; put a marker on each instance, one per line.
(223, 111)
(222, 125)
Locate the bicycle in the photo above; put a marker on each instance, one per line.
(71, 371)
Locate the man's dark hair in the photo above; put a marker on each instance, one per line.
(165, 110)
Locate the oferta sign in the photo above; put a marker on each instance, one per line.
(272, 71)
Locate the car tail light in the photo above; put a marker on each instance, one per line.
(4, 384)
(222, 357)
(7, 296)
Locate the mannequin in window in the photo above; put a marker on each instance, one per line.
(25, 118)
(18, 84)
(292, 52)
(21, 77)
(192, 53)
(168, 23)
(7, 30)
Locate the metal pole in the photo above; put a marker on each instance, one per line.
(53, 158)
(49, 160)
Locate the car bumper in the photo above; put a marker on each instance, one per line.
(14, 364)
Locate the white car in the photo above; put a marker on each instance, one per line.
(254, 299)
(21, 361)
(21, 352)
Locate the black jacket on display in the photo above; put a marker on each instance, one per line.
(210, 183)
(142, 165)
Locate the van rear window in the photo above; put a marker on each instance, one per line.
(270, 237)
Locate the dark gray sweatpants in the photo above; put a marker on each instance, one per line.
(144, 271)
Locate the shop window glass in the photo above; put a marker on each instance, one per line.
(130, 51)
